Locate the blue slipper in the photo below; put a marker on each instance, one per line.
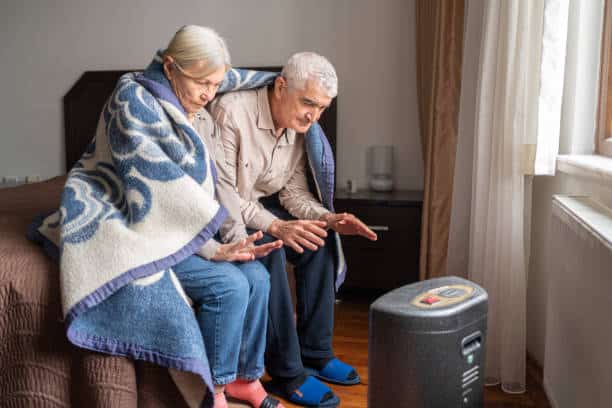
(336, 372)
(311, 393)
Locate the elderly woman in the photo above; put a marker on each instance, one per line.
(137, 226)
(232, 298)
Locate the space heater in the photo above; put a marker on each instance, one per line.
(427, 345)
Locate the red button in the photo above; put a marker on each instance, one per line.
(430, 300)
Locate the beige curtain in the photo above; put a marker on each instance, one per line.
(439, 38)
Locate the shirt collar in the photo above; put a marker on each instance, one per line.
(264, 117)
(201, 114)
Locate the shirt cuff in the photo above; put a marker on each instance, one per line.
(319, 212)
(232, 232)
(209, 249)
(262, 220)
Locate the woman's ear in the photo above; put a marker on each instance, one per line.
(167, 64)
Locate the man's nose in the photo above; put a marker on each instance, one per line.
(313, 115)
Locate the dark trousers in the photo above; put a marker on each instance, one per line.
(311, 336)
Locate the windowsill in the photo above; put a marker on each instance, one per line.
(587, 214)
(593, 166)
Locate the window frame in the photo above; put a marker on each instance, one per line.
(603, 144)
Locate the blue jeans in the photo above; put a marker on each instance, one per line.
(231, 304)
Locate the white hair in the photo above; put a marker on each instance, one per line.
(305, 66)
(194, 43)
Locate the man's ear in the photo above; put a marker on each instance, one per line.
(279, 84)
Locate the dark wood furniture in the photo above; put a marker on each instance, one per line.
(84, 102)
(393, 260)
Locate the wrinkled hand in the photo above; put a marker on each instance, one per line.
(348, 224)
(299, 233)
(245, 249)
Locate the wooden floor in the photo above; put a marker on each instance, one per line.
(351, 345)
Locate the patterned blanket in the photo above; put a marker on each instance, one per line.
(140, 200)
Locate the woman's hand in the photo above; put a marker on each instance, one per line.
(245, 250)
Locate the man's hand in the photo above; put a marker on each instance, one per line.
(245, 249)
(348, 224)
(299, 233)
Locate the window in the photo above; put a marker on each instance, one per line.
(603, 143)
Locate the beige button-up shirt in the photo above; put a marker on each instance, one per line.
(259, 164)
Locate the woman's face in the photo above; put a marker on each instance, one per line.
(192, 90)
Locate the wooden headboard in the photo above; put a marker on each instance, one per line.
(84, 101)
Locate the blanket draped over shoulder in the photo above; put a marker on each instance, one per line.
(139, 201)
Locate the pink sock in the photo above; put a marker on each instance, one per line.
(220, 401)
(251, 391)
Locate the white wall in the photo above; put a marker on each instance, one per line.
(46, 45)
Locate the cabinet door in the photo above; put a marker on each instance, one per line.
(391, 261)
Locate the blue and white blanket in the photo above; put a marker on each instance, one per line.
(140, 200)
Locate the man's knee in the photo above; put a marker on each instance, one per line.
(323, 254)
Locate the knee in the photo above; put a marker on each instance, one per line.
(323, 254)
(259, 278)
(276, 261)
(235, 286)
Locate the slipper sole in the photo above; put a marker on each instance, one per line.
(236, 401)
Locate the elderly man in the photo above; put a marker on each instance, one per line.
(261, 132)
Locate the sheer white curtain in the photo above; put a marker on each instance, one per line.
(519, 69)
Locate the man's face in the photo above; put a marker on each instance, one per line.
(300, 108)
(193, 91)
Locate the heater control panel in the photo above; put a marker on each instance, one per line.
(442, 296)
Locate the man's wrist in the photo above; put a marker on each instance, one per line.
(274, 227)
(327, 217)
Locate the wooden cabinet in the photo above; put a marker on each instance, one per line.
(393, 260)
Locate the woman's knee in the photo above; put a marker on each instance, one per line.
(234, 286)
(258, 277)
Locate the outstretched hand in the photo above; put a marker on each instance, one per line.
(245, 250)
(348, 224)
